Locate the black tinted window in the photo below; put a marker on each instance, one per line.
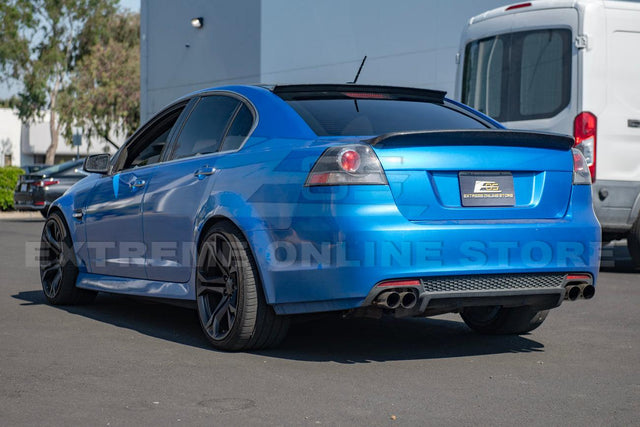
(338, 117)
(205, 127)
(239, 129)
(519, 76)
(147, 147)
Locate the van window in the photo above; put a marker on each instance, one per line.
(519, 76)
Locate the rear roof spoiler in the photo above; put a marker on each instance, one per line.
(507, 138)
(339, 91)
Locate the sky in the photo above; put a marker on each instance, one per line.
(7, 91)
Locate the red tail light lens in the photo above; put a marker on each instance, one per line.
(46, 182)
(349, 160)
(353, 164)
(585, 129)
(518, 6)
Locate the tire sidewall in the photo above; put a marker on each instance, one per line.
(245, 285)
(69, 267)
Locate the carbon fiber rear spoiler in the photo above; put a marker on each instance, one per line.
(504, 138)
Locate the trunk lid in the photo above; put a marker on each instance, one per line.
(477, 175)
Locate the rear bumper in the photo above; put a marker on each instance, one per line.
(332, 261)
(617, 205)
(26, 202)
(443, 294)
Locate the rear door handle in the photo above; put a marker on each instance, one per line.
(204, 172)
(137, 183)
(632, 123)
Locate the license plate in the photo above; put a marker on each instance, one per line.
(486, 189)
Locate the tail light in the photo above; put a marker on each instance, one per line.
(518, 6)
(45, 182)
(581, 175)
(585, 128)
(354, 164)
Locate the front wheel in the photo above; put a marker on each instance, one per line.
(58, 270)
(496, 320)
(232, 309)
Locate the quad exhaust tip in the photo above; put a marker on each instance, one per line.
(392, 300)
(582, 290)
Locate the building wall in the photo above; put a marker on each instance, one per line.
(9, 138)
(408, 42)
(177, 59)
(28, 143)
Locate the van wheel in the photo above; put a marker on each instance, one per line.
(233, 312)
(496, 320)
(633, 243)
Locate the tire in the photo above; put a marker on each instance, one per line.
(633, 243)
(232, 309)
(496, 320)
(58, 266)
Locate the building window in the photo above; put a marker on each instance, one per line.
(7, 159)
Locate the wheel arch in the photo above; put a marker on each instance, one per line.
(251, 237)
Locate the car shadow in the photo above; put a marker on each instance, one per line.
(328, 338)
(615, 258)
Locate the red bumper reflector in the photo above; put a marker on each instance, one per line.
(578, 277)
(401, 283)
(39, 203)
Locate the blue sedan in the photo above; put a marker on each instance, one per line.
(257, 204)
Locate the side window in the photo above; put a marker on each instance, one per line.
(205, 127)
(239, 129)
(147, 148)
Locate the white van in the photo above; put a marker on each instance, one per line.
(571, 67)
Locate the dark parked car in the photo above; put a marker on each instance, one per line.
(30, 169)
(36, 191)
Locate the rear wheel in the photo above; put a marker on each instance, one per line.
(232, 309)
(58, 270)
(496, 320)
(633, 243)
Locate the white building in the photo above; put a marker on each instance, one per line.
(10, 127)
(26, 144)
(408, 42)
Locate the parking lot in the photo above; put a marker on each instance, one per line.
(125, 362)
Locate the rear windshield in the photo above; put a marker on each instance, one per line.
(53, 170)
(519, 76)
(364, 117)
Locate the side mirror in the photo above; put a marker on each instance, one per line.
(97, 163)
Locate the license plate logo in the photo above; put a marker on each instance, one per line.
(486, 189)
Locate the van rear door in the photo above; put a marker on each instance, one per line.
(618, 149)
(522, 69)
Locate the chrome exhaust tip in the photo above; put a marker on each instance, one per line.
(572, 293)
(389, 299)
(408, 299)
(588, 292)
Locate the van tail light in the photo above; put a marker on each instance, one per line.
(518, 6)
(585, 128)
(353, 164)
(46, 182)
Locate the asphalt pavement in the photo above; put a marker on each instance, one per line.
(121, 361)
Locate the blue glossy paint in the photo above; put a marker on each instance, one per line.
(324, 248)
